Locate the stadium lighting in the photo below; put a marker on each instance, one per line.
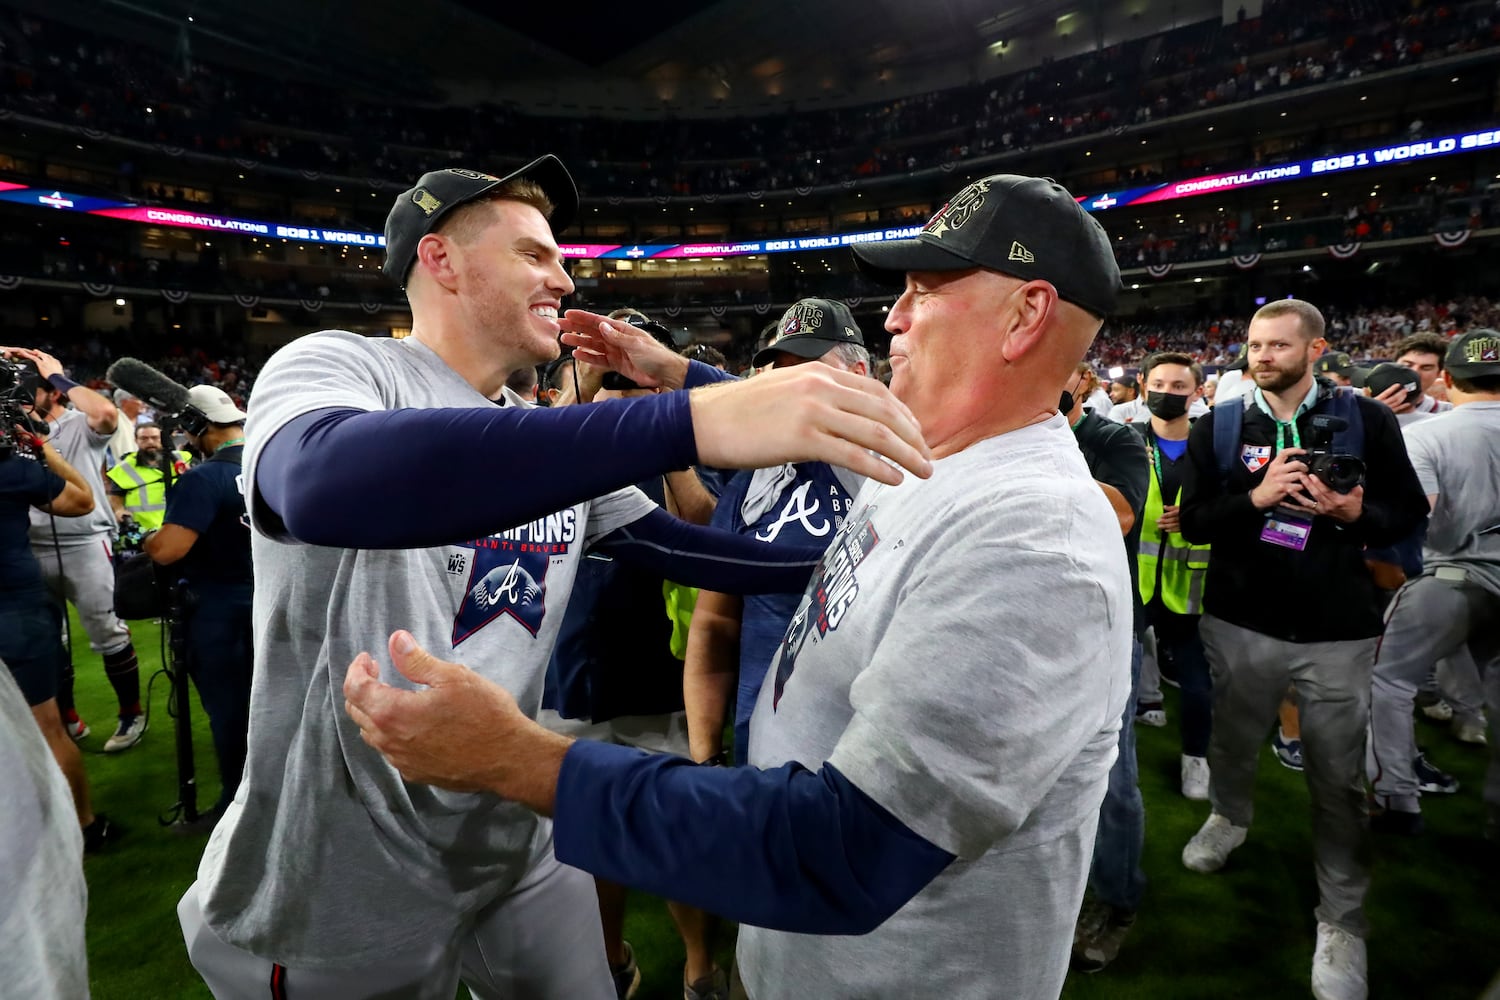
(119, 302)
(1116, 371)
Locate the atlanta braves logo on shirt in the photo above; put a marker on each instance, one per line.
(508, 574)
(1255, 456)
(799, 509)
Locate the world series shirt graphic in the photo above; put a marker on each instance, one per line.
(830, 594)
(507, 573)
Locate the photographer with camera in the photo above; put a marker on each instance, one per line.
(206, 534)
(1273, 484)
(34, 475)
(76, 555)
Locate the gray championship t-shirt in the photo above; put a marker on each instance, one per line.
(962, 656)
(1457, 456)
(43, 898)
(327, 859)
(83, 449)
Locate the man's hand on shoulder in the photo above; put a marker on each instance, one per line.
(810, 413)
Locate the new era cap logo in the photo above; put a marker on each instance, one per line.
(1020, 253)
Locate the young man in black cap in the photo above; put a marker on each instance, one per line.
(329, 875)
(1455, 603)
(951, 685)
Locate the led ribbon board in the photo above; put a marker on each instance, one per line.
(186, 218)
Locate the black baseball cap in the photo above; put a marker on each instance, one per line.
(1387, 374)
(1340, 363)
(809, 329)
(1026, 227)
(1474, 354)
(417, 212)
(1128, 381)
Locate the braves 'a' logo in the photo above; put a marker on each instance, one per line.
(512, 583)
(502, 582)
(799, 508)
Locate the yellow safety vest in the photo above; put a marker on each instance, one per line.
(145, 488)
(1184, 567)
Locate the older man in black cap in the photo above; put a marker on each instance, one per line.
(326, 863)
(951, 684)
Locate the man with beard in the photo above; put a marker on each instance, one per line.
(138, 483)
(1288, 600)
(75, 554)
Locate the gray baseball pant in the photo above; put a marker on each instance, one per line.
(1431, 618)
(1251, 672)
(86, 576)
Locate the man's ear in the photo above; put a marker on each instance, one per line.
(1038, 299)
(437, 255)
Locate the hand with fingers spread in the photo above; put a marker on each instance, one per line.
(618, 346)
(1285, 476)
(810, 413)
(461, 731)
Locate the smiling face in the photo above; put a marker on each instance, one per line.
(510, 281)
(941, 351)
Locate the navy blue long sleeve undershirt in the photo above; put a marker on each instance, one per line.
(460, 473)
(312, 466)
(788, 848)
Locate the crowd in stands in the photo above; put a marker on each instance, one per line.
(1364, 333)
(59, 73)
(197, 357)
(1207, 234)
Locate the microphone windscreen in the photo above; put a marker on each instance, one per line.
(140, 379)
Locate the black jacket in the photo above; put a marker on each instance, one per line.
(1322, 593)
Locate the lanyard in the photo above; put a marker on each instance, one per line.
(1280, 432)
(1156, 460)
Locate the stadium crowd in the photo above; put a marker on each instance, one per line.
(56, 73)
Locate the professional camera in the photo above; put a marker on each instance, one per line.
(18, 383)
(1339, 472)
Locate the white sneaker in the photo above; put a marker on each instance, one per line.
(1438, 711)
(1470, 731)
(128, 734)
(1338, 969)
(1210, 846)
(1195, 778)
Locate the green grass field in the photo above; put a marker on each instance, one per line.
(1246, 932)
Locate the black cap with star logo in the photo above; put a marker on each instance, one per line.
(810, 329)
(417, 212)
(1027, 227)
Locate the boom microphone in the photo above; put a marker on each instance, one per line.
(164, 395)
(146, 383)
